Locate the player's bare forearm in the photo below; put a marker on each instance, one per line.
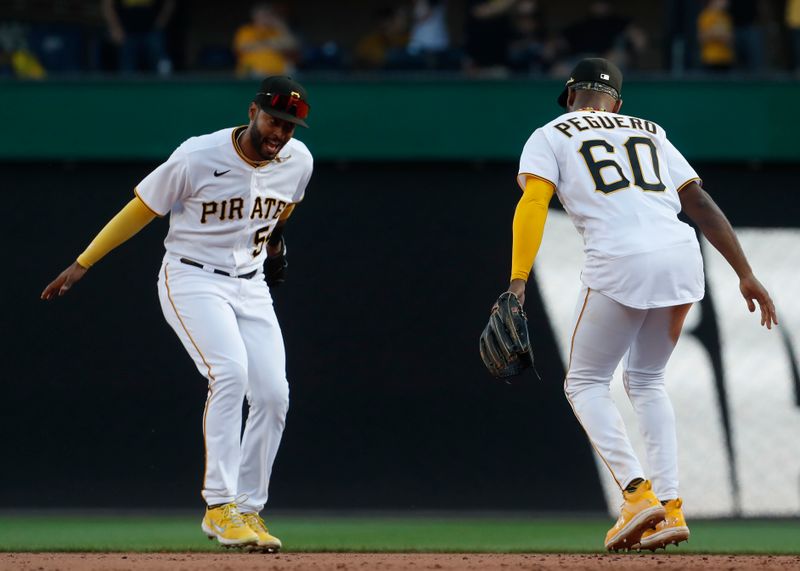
(275, 241)
(112, 19)
(275, 250)
(517, 287)
(714, 225)
(712, 222)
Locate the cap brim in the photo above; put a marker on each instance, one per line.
(285, 116)
(562, 99)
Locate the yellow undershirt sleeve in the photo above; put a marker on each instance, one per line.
(287, 212)
(128, 221)
(528, 229)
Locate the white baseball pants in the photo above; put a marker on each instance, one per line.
(606, 331)
(229, 328)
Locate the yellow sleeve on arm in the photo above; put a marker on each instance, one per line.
(135, 216)
(287, 212)
(529, 219)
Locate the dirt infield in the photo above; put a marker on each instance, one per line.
(387, 561)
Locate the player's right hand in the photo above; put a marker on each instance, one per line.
(64, 281)
(751, 290)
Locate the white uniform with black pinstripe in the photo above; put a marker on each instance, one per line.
(222, 208)
(618, 178)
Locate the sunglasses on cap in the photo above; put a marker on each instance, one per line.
(288, 103)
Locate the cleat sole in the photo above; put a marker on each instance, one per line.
(629, 537)
(663, 538)
(263, 549)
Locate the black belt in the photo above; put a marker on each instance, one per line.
(246, 276)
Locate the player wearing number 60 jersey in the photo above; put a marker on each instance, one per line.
(618, 178)
(623, 184)
(228, 195)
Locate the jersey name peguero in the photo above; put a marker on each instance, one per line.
(223, 206)
(618, 178)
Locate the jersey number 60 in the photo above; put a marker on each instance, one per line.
(595, 167)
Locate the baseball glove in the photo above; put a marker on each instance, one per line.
(276, 267)
(505, 344)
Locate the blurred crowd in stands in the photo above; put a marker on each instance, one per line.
(473, 37)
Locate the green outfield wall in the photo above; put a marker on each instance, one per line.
(387, 119)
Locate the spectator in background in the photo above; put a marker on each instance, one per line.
(428, 40)
(506, 34)
(748, 34)
(604, 34)
(265, 46)
(137, 28)
(488, 29)
(528, 49)
(715, 36)
(389, 36)
(793, 24)
(16, 58)
(429, 33)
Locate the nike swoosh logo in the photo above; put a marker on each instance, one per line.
(214, 525)
(217, 173)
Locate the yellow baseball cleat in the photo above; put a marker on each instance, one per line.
(227, 525)
(266, 542)
(672, 530)
(640, 512)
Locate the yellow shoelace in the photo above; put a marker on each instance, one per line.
(231, 513)
(255, 522)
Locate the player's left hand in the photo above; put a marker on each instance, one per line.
(505, 344)
(64, 281)
(751, 290)
(276, 267)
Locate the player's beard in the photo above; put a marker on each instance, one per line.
(260, 142)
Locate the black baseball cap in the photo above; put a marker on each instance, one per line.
(595, 70)
(284, 98)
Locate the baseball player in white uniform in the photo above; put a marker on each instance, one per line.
(228, 195)
(623, 184)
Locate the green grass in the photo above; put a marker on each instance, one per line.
(398, 534)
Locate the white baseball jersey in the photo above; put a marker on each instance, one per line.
(222, 205)
(618, 178)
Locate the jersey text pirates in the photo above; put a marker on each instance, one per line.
(223, 206)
